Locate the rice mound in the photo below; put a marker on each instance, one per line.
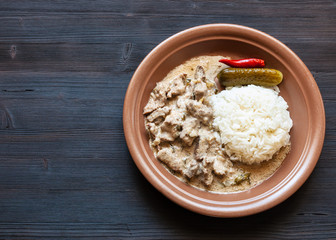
(253, 122)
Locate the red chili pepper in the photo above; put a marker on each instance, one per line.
(244, 63)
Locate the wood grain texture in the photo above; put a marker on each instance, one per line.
(65, 171)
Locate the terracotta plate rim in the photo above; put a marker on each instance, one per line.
(210, 207)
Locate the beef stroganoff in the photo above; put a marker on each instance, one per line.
(184, 124)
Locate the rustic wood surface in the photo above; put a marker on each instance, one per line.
(65, 170)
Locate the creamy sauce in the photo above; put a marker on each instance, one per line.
(259, 173)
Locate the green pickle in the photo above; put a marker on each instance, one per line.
(242, 177)
(265, 77)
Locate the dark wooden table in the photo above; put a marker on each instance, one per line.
(65, 170)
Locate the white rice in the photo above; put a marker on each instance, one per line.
(253, 122)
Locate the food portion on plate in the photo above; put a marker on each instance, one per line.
(224, 141)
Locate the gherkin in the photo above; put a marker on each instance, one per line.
(265, 77)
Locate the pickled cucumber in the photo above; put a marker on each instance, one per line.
(244, 76)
